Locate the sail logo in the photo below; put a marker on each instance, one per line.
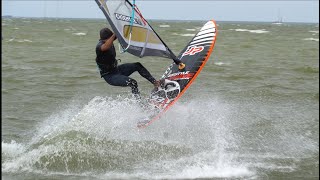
(125, 18)
(193, 50)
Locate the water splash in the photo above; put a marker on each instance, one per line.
(102, 140)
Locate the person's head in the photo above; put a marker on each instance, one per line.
(105, 33)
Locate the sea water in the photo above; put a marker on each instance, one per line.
(252, 113)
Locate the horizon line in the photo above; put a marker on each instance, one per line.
(151, 19)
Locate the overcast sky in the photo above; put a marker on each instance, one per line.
(254, 10)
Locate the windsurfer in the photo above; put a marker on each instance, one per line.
(114, 74)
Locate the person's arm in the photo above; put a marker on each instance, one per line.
(108, 43)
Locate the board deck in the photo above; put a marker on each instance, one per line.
(175, 82)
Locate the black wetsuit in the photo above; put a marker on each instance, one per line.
(119, 75)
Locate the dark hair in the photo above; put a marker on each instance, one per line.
(105, 33)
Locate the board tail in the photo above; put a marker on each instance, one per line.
(194, 56)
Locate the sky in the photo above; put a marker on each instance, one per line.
(227, 10)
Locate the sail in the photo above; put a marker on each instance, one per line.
(135, 35)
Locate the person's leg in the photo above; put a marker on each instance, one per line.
(129, 68)
(122, 80)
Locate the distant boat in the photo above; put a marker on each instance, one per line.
(279, 21)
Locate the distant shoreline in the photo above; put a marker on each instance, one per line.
(159, 20)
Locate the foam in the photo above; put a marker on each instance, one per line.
(206, 171)
(258, 31)
(164, 25)
(80, 34)
(221, 63)
(12, 149)
(317, 32)
(311, 39)
(202, 142)
(19, 40)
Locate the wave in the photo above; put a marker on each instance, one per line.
(164, 25)
(221, 63)
(19, 40)
(204, 138)
(307, 69)
(101, 140)
(317, 32)
(258, 31)
(311, 39)
(80, 34)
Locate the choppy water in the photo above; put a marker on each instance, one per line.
(252, 113)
